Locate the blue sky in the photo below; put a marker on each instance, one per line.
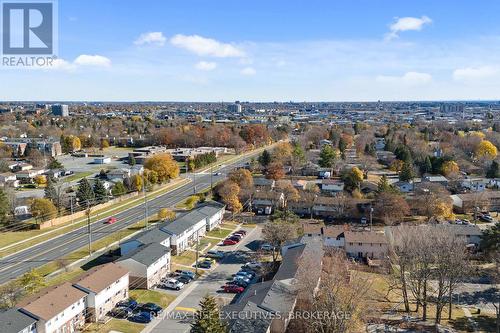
(350, 50)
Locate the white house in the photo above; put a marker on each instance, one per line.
(105, 285)
(57, 309)
(474, 184)
(334, 236)
(15, 321)
(214, 212)
(147, 265)
(185, 230)
(332, 186)
(156, 235)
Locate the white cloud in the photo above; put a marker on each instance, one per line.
(206, 46)
(151, 38)
(63, 65)
(206, 66)
(407, 24)
(92, 60)
(474, 73)
(249, 71)
(409, 78)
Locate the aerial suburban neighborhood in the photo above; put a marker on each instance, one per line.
(261, 167)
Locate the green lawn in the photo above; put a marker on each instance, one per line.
(207, 241)
(185, 258)
(77, 176)
(219, 233)
(157, 297)
(119, 325)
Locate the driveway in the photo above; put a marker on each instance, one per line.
(176, 318)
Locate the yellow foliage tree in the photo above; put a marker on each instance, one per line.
(445, 210)
(166, 214)
(164, 166)
(41, 180)
(449, 168)
(43, 209)
(357, 174)
(486, 150)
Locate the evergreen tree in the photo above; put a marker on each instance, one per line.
(493, 171)
(118, 189)
(55, 164)
(426, 166)
(407, 172)
(4, 206)
(265, 158)
(84, 194)
(327, 157)
(342, 144)
(207, 319)
(50, 191)
(131, 160)
(383, 185)
(100, 192)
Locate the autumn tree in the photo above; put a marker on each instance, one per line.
(450, 168)
(4, 206)
(229, 191)
(242, 177)
(352, 179)
(283, 152)
(164, 166)
(166, 214)
(43, 209)
(486, 150)
(32, 281)
(277, 233)
(275, 171)
(390, 208)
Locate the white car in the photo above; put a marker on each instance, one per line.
(173, 284)
(253, 265)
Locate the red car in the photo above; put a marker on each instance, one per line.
(232, 288)
(229, 242)
(111, 220)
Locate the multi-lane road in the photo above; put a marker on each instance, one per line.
(16, 264)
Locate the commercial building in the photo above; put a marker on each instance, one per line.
(61, 110)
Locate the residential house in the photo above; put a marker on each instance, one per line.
(470, 233)
(8, 179)
(265, 202)
(118, 174)
(156, 235)
(404, 186)
(262, 182)
(328, 207)
(332, 186)
(147, 265)
(474, 184)
(482, 201)
(366, 244)
(436, 179)
(334, 236)
(214, 212)
(105, 285)
(57, 309)
(15, 321)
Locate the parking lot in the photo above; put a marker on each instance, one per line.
(211, 283)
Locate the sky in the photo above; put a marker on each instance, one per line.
(261, 50)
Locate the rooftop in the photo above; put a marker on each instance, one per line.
(14, 321)
(99, 278)
(146, 254)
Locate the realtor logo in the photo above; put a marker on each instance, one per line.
(28, 28)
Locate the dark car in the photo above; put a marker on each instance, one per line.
(120, 313)
(184, 279)
(151, 308)
(142, 317)
(204, 264)
(188, 274)
(234, 238)
(129, 304)
(239, 283)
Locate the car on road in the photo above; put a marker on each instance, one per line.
(217, 173)
(151, 308)
(172, 284)
(266, 247)
(129, 304)
(215, 254)
(233, 288)
(253, 265)
(189, 274)
(142, 317)
(228, 241)
(120, 313)
(111, 220)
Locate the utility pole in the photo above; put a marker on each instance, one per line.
(71, 207)
(89, 228)
(145, 202)
(197, 251)
(371, 218)
(211, 181)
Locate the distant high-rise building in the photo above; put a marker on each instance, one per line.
(234, 108)
(452, 108)
(60, 110)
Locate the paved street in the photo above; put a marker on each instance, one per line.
(174, 322)
(14, 265)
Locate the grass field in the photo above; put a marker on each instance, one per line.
(117, 325)
(157, 297)
(219, 233)
(185, 258)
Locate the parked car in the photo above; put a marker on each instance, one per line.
(253, 265)
(142, 317)
(215, 254)
(241, 231)
(211, 261)
(189, 274)
(240, 283)
(247, 275)
(173, 284)
(486, 218)
(120, 313)
(111, 220)
(235, 238)
(184, 279)
(233, 288)
(228, 241)
(129, 304)
(204, 264)
(241, 278)
(152, 308)
(266, 247)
